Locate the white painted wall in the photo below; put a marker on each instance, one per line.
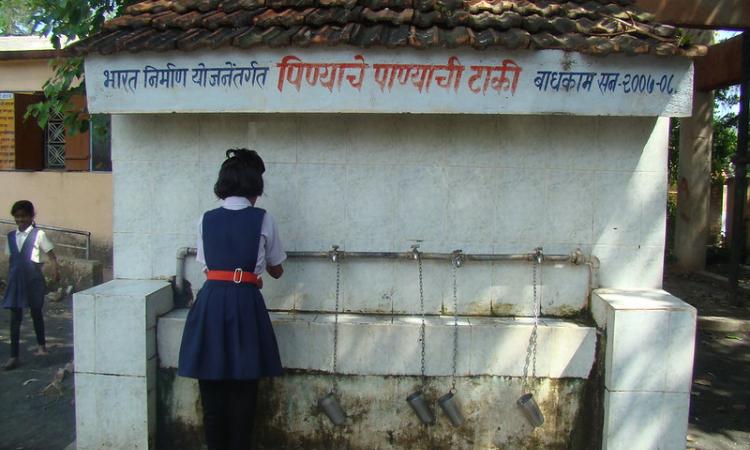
(375, 182)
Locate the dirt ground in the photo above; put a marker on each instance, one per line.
(720, 400)
(719, 415)
(30, 419)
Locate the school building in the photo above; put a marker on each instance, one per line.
(67, 177)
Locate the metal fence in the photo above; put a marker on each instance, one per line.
(87, 234)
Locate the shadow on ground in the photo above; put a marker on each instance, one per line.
(719, 414)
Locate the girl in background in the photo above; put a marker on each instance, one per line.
(25, 288)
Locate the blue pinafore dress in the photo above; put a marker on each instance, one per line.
(25, 280)
(228, 333)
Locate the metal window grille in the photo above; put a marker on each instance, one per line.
(55, 142)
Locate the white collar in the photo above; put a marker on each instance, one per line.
(28, 230)
(235, 203)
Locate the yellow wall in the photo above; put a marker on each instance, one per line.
(24, 75)
(80, 200)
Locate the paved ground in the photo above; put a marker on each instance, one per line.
(719, 415)
(30, 419)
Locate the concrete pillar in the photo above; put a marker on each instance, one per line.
(694, 184)
(648, 367)
(114, 326)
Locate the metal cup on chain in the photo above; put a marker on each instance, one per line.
(329, 403)
(526, 402)
(448, 402)
(417, 399)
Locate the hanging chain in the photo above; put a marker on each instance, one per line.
(537, 305)
(335, 257)
(421, 310)
(457, 261)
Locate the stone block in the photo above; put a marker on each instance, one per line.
(132, 197)
(112, 412)
(617, 208)
(132, 255)
(435, 275)
(322, 204)
(645, 420)
(169, 330)
(466, 188)
(569, 221)
(304, 343)
(367, 286)
(280, 294)
(84, 331)
(421, 209)
(369, 345)
(650, 339)
(370, 208)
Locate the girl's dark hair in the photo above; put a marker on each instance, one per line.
(240, 175)
(22, 206)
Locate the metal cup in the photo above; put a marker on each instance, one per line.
(420, 406)
(531, 410)
(333, 409)
(451, 409)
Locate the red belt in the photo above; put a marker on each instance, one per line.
(237, 276)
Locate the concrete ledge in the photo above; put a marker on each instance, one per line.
(385, 345)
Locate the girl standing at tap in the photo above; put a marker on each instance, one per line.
(26, 245)
(228, 342)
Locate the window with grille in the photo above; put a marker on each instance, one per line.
(54, 148)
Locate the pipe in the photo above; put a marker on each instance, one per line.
(179, 277)
(575, 257)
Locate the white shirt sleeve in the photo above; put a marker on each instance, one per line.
(200, 257)
(45, 245)
(275, 253)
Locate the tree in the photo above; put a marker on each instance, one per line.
(67, 21)
(15, 17)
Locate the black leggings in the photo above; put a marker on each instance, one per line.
(228, 412)
(16, 316)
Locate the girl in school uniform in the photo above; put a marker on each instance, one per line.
(228, 342)
(25, 288)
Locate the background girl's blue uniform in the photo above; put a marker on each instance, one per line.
(25, 279)
(228, 333)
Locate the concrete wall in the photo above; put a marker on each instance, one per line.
(78, 200)
(24, 75)
(377, 182)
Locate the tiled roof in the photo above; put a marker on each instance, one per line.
(595, 27)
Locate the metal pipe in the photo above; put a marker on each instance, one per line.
(87, 234)
(576, 257)
(179, 277)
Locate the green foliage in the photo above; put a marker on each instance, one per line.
(724, 138)
(66, 21)
(15, 17)
(725, 133)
